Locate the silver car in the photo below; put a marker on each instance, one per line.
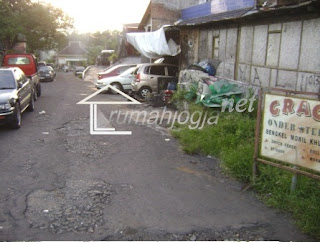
(147, 77)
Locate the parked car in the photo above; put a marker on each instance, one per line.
(121, 82)
(16, 95)
(114, 70)
(47, 73)
(51, 64)
(42, 63)
(28, 64)
(78, 70)
(147, 77)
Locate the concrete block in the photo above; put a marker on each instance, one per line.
(260, 44)
(210, 44)
(285, 80)
(243, 73)
(273, 49)
(246, 45)
(290, 45)
(310, 46)
(220, 70)
(215, 33)
(275, 27)
(232, 35)
(203, 45)
(222, 46)
(308, 82)
(260, 76)
(229, 70)
(273, 77)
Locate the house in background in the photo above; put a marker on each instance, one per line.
(158, 14)
(126, 49)
(272, 44)
(74, 54)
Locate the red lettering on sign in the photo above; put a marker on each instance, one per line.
(304, 108)
(316, 113)
(288, 106)
(273, 110)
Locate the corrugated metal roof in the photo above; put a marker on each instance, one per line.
(216, 17)
(246, 12)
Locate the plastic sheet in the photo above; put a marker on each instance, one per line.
(153, 44)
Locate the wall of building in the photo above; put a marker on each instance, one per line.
(283, 55)
(162, 15)
(177, 4)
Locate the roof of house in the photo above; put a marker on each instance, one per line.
(145, 17)
(216, 17)
(73, 48)
(251, 13)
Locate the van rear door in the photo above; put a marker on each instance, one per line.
(154, 73)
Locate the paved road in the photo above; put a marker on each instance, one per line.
(58, 182)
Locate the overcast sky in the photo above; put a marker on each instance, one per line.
(99, 15)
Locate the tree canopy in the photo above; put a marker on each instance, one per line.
(44, 26)
(98, 41)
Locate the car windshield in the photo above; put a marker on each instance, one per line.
(45, 68)
(80, 68)
(108, 70)
(127, 72)
(7, 80)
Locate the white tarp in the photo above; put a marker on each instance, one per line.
(153, 44)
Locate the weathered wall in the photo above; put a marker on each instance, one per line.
(177, 4)
(162, 15)
(167, 12)
(283, 55)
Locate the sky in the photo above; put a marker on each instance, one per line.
(99, 15)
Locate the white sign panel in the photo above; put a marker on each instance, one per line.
(291, 131)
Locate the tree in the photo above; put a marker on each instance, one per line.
(98, 41)
(44, 26)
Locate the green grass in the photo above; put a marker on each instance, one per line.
(232, 141)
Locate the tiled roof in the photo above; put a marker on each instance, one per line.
(74, 48)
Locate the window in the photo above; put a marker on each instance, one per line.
(215, 47)
(18, 61)
(122, 69)
(172, 71)
(157, 70)
(6, 80)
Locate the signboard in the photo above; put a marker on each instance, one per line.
(291, 131)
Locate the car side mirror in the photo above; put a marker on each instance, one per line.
(20, 85)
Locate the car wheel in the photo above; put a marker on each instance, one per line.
(31, 103)
(38, 90)
(117, 86)
(35, 94)
(16, 122)
(144, 91)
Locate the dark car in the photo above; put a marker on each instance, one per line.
(115, 70)
(16, 96)
(51, 64)
(78, 70)
(46, 73)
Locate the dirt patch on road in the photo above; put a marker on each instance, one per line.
(77, 139)
(78, 207)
